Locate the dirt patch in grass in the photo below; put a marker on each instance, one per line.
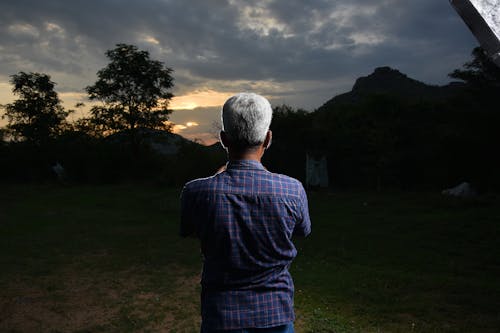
(72, 299)
(44, 306)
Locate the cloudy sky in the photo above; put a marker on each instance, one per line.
(297, 52)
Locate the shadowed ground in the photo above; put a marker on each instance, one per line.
(108, 259)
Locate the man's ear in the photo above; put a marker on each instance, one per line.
(268, 139)
(223, 139)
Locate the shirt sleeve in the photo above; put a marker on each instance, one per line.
(303, 226)
(187, 227)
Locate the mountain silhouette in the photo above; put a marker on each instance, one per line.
(389, 81)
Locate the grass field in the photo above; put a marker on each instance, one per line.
(109, 259)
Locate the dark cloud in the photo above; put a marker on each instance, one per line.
(216, 43)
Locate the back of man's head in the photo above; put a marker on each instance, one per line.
(246, 118)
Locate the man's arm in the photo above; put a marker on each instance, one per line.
(303, 226)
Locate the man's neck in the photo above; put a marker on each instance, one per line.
(254, 155)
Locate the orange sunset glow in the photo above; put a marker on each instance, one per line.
(179, 127)
(199, 98)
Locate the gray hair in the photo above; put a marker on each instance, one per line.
(246, 118)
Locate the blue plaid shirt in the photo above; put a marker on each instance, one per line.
(245, 217)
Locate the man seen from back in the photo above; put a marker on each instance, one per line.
(245, 217)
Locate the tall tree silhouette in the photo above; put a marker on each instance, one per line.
(479, 73)
(134, 91)
(37, 115)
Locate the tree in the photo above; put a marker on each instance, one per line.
(2, 136)
(475, 134)
(134, 90)
(37, 115)
(480, 73)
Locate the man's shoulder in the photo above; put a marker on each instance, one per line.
(278, 177)
(283, 184)
(263, 182)
(200, 184)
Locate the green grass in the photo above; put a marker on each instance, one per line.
(108, 259)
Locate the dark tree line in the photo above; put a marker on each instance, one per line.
(386, 141)
(382, 141)
(133, 93)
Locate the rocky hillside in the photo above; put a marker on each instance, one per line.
(389, 81)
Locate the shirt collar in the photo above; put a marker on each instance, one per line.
(244, 164)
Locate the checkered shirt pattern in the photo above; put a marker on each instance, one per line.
(245, 217)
